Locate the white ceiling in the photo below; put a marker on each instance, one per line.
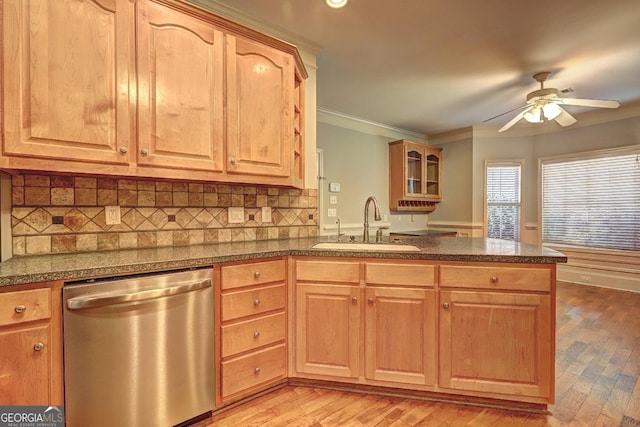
(431, 66)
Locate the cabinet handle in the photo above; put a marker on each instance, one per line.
(256, 371)
(256, 274)
(256, 302)
(445, 305)
(256, 334)
(20, 308)
(370, 300)
(233, 161)
(124, 150)
(144, 151)
(354, 300)
(494, 280)
(38, 346)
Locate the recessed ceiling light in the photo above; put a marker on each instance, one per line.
(336, 3)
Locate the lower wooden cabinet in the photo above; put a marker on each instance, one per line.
(496, 342)
(251, 327)
(30, 348)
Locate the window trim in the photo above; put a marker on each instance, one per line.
(581, 155)
(503, 162)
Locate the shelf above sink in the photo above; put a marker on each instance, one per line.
(366, 247)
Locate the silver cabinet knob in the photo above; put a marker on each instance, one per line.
(445, 305)
(124, 150)
(370, 300)
(256, 371)
(256, 274)
(38, 346)
(354, 300)
(144, 151)
(256, 334)
(20, 308)
(494, 280)
(256, 302)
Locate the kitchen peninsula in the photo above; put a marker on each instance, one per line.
(460, 318)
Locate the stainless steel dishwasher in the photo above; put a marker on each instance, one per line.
(138, 351)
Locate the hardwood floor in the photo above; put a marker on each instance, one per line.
(597, 371)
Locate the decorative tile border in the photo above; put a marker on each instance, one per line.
(65, 214)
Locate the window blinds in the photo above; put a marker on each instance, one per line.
(503, 201)
(593, 202)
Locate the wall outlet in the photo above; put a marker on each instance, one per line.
(333, 200)
(235, 215)
(266, 214)
(585, 279)
(112, 215)
(332, 213)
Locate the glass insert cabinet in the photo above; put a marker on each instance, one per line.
(415, 176)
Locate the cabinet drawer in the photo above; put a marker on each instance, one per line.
(514, 278)
(234, 276)
(252, 301)
(254, 333)
(328, 271)
(25, 306)
(401, 274)
(253, 369)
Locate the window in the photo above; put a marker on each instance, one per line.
(593, 200)
(503, 190)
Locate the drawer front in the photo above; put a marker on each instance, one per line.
(401, 274)
(513, 278)
(252, 301)
(253, 369)
(328, 271)
(25, 306)
(254, 333)
(257, 273)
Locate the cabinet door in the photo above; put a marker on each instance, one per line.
(180, 93)
(496, 343)
(260, 109)
(328, 330)
(67, 72)
(25, 366)
(400, 343)
(433, 174)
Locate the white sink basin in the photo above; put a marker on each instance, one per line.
(366, 247)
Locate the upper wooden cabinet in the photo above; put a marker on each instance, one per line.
(415, 176)
(215, 101)
(66, 78)
(260, 108)
(180, 90)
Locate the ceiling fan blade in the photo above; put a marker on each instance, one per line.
(565, 119)
(599, 103)
(515, 120)
(506, 112)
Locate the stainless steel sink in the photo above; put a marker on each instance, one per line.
(366, 247)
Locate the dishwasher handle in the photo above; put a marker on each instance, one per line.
(81, 303)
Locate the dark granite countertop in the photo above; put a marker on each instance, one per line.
(39, 268)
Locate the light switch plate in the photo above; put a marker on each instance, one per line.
(334, 187)
(236, 215)
(266, 214)
(333, 200)
(332, 213)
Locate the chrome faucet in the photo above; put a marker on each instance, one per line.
(376, 216)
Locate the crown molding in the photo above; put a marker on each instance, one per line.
(346, 121)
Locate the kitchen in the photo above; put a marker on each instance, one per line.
(40, 200)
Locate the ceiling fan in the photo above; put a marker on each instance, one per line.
(544, 104)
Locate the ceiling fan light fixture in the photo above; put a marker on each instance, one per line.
(551, 110)
(336, 3)
(533, 115)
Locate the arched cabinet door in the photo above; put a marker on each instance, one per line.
(260, 109)
(67, 72)
(180, 90)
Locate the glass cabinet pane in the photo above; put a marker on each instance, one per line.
(414, 172)
(433, 175)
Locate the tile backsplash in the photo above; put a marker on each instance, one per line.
(65, 214)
